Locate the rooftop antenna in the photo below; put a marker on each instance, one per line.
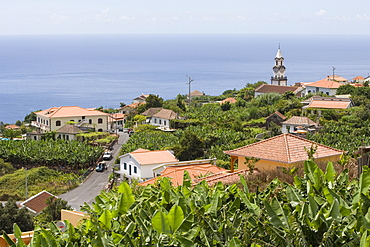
(190, 80)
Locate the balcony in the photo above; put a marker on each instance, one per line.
(40, 125)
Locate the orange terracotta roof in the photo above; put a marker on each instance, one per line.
(296, 120)
(70, 129)
(325, 83)
(166, 114)
(277, 113)
(285, 148)
(12, 126)
(196, 93)
(265, 88)
(226, 178)
(357, 84)
(329, 103)
(153, 157)
(176, 173)
(358, 78)
(37, 202)
(151, 111)
(140, 150)
(230, 100)
(69, 111)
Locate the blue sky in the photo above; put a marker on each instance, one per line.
(184, 16)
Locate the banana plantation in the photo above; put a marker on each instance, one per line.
(58, 154)
(321, 208)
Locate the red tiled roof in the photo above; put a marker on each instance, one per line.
(153, 157)
(166, 114)
(151, 111)
(176, 173)
(296, 120)
(328, 102)
(230, 100)
(37, 202)
(358, 78)
(325, 83)
(12, 126)
(285, 148)
(226, 178)
(277, 113)
(196, 93)
(69, 111)
(265, 88)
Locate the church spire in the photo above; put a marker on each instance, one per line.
(279, 77)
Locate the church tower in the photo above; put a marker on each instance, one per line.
(279, 77)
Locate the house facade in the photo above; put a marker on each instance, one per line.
(54, 118)
(285, 150)
(139, 164)
(162, 118)
(327, 86)
(292, 124)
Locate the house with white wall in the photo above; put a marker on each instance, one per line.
(54, 118)
(294, 123)
(327, 86)
(139, 164)
(162, 118)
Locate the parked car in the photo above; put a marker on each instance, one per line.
(130, 133)
(107, 155)
(101, 166)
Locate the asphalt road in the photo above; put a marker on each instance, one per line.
(95, 183)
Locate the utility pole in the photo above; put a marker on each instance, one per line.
(333, 73)
(190, 80)
(25, 169)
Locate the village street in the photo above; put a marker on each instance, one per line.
(96, 182)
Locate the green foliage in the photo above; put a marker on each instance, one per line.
(190, 147)
(151, 140)
(320, 209)
(38, 179)
(60, 154)
(153, 101)
(10, 214)
(6, 168)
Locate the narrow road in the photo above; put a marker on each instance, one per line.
(95, 183)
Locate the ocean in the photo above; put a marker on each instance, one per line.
(43, 71)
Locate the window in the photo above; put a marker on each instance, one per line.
(100, 130)
(155, 120)
(100, 120)
(47, 122)
(67, 137)
(90, 121)
(135, 169)
(160, 121)
(124, 166)
(164, 122)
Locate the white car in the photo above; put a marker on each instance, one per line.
(107, 156)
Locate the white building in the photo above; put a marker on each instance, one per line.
(139, 164)
(85, 118)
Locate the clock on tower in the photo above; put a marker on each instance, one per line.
(279, 77)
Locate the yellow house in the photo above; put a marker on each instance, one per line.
(285, 150)
(56, 117)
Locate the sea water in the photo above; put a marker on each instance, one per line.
(43, 71)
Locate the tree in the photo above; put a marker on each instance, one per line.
(226, 106)
(10, 214)
(30, 117)
(121, 104)
(6, 168)
(11, 133)
(18, 123)
(190, 147)
(153, 101)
